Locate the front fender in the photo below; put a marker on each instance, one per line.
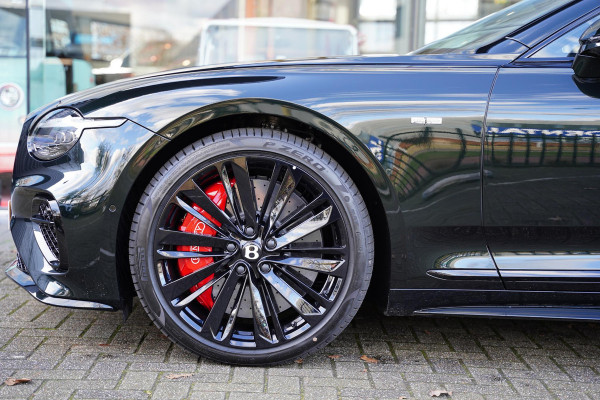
(271, 107)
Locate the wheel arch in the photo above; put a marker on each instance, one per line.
(343, 146)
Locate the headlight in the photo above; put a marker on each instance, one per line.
(11, 95)
(59, 130)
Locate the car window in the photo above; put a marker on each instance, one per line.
(493, 27)
(566, 45)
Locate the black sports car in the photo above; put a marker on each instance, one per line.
(250, 207)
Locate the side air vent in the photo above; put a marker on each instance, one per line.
(48, 232)
(21, 264)
(48, 228)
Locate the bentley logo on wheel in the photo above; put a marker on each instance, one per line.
(251, 251)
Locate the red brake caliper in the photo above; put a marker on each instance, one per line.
(216, 192)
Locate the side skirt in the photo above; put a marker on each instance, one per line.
(494, 303)
(569, 313)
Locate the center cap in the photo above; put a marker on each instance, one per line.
(251, 251)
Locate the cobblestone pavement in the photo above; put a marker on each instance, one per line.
(75, 354)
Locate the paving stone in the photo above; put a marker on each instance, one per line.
(351, 370)
(293, 371)
(530, 387)
(171, 390)
(340, 383)
(110, 394)
(262, 396)
(388, 380)
(320, 393)
(228, 387)
(20, 391)
(107, 370)
(78, 361)
(168, 367)
(248, 375)
(207, 396)
(283, 384)
(372, 393)
(138, 380)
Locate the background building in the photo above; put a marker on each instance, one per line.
(49, 48)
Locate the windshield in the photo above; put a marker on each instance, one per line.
(493, 27)
(12, 32)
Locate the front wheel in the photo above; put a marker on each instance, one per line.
(251, 247)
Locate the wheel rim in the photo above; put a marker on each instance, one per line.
(278, 260)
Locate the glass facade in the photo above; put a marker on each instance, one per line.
(49, 48)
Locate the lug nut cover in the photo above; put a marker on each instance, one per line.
(271, 243)
(240, 269)
(265, 268)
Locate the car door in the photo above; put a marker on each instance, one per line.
(541, 192)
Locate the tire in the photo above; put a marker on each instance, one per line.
(265, 282)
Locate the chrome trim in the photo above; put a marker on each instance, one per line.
(551, 274)
(464, 274)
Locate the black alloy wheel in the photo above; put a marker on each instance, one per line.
(251, 247)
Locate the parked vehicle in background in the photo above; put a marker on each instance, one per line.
(256, 39)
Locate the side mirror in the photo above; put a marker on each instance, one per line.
(587, 60)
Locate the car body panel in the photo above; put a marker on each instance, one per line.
(415, 126)
(541, 201)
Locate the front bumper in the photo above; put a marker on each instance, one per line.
(26, 282)
(70, 250)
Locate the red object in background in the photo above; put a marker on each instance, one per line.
(7, 161)
(216, 192)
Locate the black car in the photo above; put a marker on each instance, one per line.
(250, 207)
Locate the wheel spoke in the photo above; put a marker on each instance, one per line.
(290, 294)
(245, 190)
(191, 210)
(212, 324)
(198, 196)
(274, 310)
(316, 248)
(234, 312)
(233, 201)
(297, 280)
(290, 181)
(270, 190)
(168, 237)
(261, 324)
(312, 264)
(174, 289)
(175, 254)
(201, 290)
(300, 214)
(307, 227)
